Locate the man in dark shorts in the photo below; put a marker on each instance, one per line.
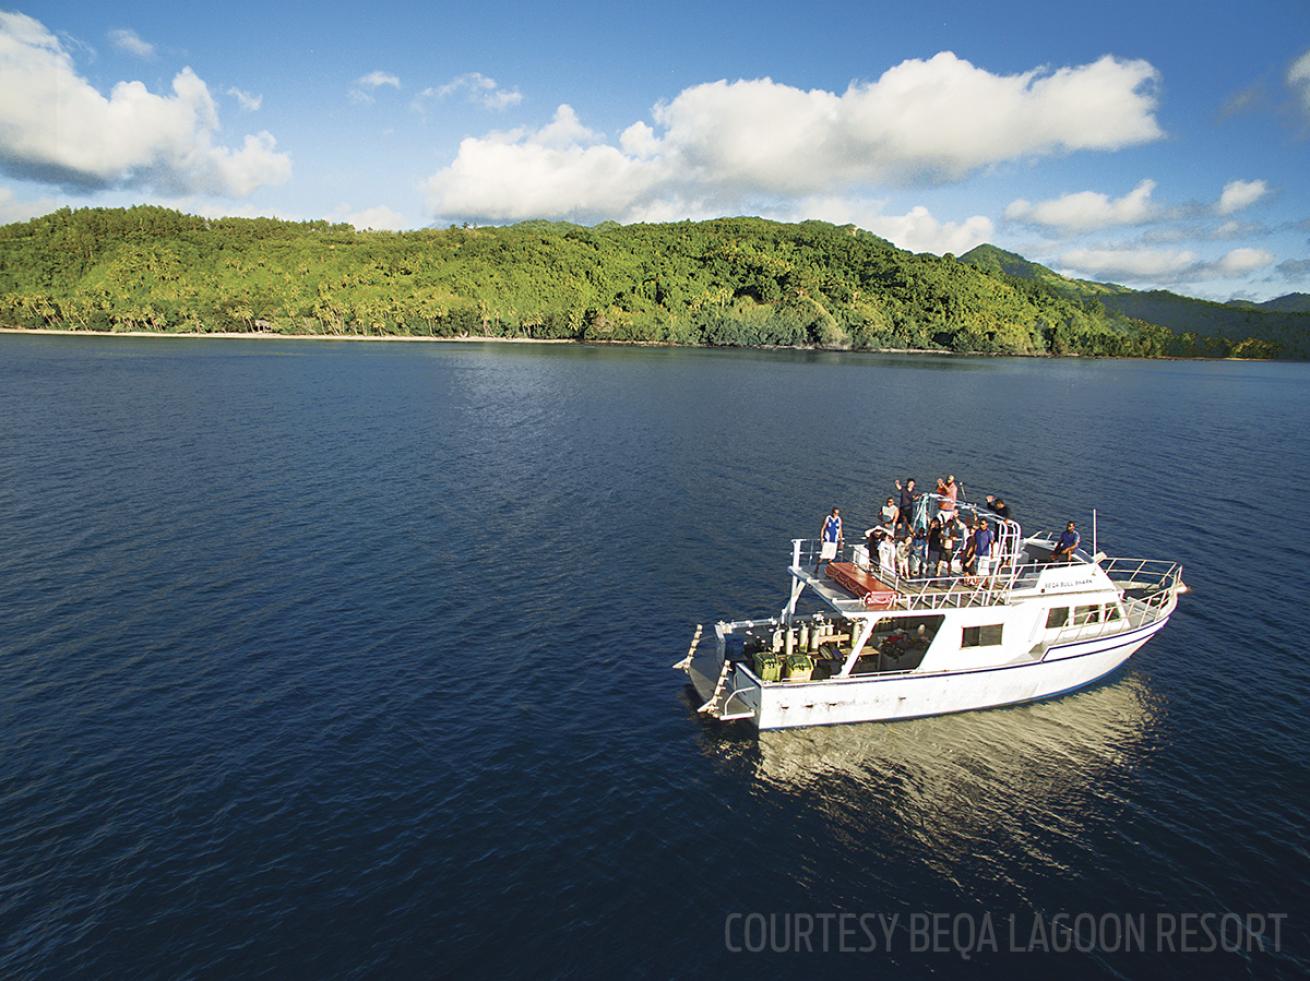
(950, 540)
(934, 549)
(1069, 540)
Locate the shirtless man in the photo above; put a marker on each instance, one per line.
(949, 491)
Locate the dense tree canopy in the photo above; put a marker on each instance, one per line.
(738, 281)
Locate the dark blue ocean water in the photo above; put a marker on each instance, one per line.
(353, 659)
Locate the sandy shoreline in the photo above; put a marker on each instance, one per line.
(591, 341)
(468, 339)
(255, 336)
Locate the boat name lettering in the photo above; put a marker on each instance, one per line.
(1063, 581)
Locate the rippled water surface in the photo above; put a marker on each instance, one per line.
(354, 659)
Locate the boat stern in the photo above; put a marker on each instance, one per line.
(721, 682)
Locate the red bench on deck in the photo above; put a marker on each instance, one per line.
(877, 595)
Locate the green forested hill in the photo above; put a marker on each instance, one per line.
(738, 281)
(1289, 303)
(997, 261)
(1276, 328)
(1205, 326)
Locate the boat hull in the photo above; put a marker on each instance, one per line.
(914, 695)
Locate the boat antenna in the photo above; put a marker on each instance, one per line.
(1095, 550)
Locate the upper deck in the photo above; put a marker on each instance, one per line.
(1022, 570)
(1007, 586)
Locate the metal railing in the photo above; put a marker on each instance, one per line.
(931, 592)
(1150, 574)
(996, 588)
(1137, 613)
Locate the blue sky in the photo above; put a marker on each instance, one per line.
(1156, 144)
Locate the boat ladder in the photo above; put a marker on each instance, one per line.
(719, 701)
(713, 707)
(685, 663)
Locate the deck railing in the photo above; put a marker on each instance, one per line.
(1138, 612)
(1154, 576)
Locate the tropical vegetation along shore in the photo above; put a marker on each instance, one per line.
(726, 282)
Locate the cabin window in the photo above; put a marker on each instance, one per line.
(1057, 617)
(1111, 611)
(1086, 614)
(987, 635)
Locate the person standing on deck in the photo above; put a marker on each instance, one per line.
(932, 569)
(949, 539)
(1069, 540)
(963, 530)
(908, 497)
(919, 552)
(949, 491)
(904, 553)
(872, 536)
(830, 538)
(891, 516)
(998, 507)
(887, 554)
(983, 539)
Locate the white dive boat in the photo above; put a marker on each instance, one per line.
(885, 647)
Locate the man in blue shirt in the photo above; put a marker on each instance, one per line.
(982, 549)
(1069, 540)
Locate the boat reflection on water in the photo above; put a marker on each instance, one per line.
(947, 781)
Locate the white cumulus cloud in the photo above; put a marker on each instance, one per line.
(1239, 262)
(934, 120)
(126, 39)
(921, 122)
(1240, 194)
(1131, 263)
(1086, 210)
(558, 170)
(918, 230)
(477, 88)
(1164, 265)
(57, 128)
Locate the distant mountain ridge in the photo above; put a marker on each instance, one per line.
(1202, 325)
(1289, 303)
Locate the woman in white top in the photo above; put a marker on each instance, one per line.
(890, 513)
(904, 549)
(887, 555)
